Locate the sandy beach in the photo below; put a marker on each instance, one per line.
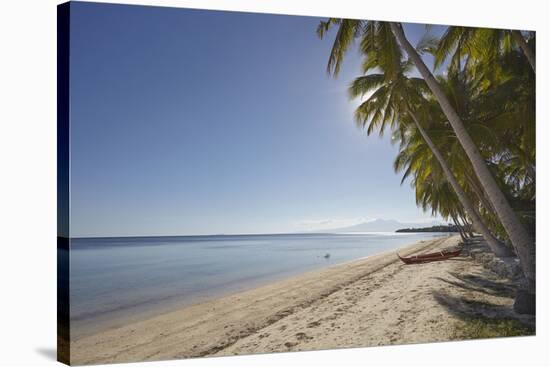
(368, 302)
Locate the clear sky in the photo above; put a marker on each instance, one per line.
(203, 122)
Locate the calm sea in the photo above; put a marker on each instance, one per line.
(117, 280)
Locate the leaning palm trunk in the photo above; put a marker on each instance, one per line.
(520, 238)
(497, 247)
(459, 229)
(459, 216)
(527, 51)
(479, 193)
(467, 226)
(491, 220)
(460, 220)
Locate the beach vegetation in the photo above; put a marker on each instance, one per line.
(465, 127)
(484, 328)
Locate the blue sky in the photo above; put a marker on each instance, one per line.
(202, 122)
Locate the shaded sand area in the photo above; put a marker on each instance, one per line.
(367, 302)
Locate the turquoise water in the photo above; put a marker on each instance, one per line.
(116, 280)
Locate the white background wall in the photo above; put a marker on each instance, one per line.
(27, 181)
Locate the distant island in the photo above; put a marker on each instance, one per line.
(384, 225)
(441, 228)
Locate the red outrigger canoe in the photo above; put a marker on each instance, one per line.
(434, 256)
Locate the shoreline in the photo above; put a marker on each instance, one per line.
(210, 327)
(94, 321)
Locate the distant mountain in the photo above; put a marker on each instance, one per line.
(384, 225)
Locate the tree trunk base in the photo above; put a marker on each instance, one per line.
(525, 302)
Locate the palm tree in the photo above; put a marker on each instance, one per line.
(464, 201)
(501, 122)
(392, 95)
(373, 35)
(432, 189)
(520, 238)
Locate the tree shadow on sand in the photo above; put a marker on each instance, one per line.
(467, 309)
(480, 284)
(482, 319)
(472, 303)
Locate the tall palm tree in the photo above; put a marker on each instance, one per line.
(501, 123)
(463, 199)
(373, 35)
(432, 189)
(519, 236)
(392, 95)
